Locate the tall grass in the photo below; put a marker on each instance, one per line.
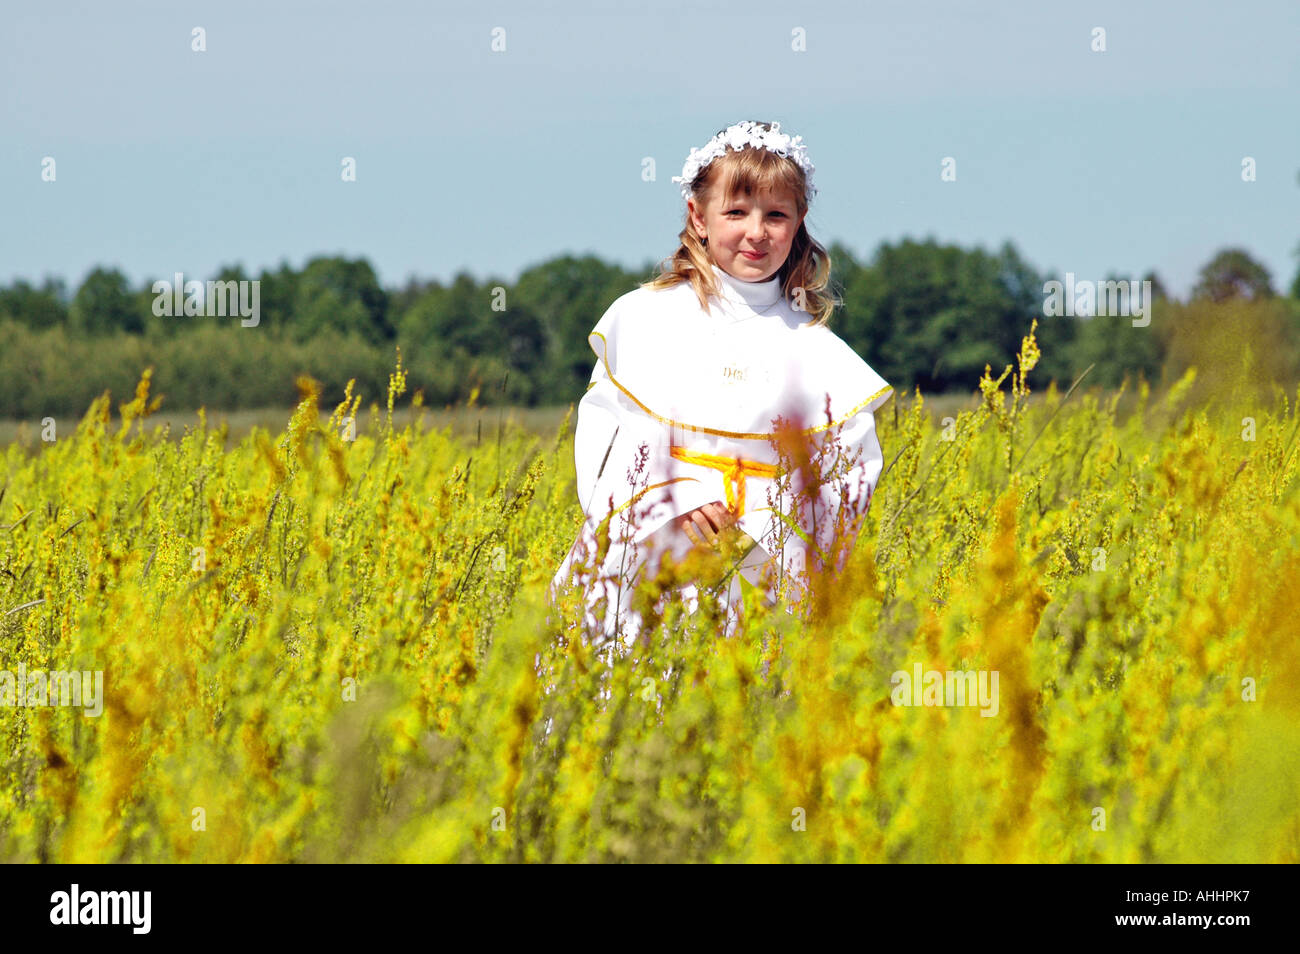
(318, 649)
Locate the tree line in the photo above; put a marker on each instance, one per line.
(921, 313)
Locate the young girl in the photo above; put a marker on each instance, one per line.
(697, 375)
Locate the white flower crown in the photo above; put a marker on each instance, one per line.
(740, 135)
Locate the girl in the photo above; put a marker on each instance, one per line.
(702, 378)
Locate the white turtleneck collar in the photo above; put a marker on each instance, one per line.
(752, 295)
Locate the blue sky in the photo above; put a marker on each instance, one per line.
(467, 159)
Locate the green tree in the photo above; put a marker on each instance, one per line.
(1295, 284)
(41, 307)
(277, 294)
(344, 295)
(568, 295)
(1232, 273)
(932, 316)
(104, 303)
(466, 331)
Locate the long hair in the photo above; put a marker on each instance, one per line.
(749, 171)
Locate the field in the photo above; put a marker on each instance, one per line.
(325, 649)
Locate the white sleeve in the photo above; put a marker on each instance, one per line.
(622, 462)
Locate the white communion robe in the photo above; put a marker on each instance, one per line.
(693, 396)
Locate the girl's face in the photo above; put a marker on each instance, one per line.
(764, 224)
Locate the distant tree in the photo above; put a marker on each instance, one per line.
(231, 273)
(460, 328)
(343, 295)
(568, 295)
(400, 300)
(1295, 285)
(277, 295)
(932, 316)
(35, 307)
(1023, 288)
(450, 317)
(524, 338)
(104, 303)
(142, 300)
(1232, 273)
(1157, 286)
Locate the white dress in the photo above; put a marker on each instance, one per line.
(687, 394)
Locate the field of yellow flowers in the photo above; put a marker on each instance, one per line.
(322, 646)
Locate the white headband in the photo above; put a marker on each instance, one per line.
(740, 135)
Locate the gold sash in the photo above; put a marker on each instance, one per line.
(734, 470)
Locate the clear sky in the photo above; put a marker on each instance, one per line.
(471, 159)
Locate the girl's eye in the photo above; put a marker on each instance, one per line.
(782, 214)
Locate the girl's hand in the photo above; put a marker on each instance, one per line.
(719, 543)
(703, 524)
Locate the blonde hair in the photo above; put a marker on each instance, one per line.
(749, 171)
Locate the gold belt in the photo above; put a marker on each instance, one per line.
(734, 470)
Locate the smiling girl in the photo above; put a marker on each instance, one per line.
(699, 372)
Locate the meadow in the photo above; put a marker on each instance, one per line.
(324, 646)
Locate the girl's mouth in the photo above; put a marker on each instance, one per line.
(753, 256)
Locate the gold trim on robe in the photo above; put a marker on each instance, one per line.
(713, 430)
